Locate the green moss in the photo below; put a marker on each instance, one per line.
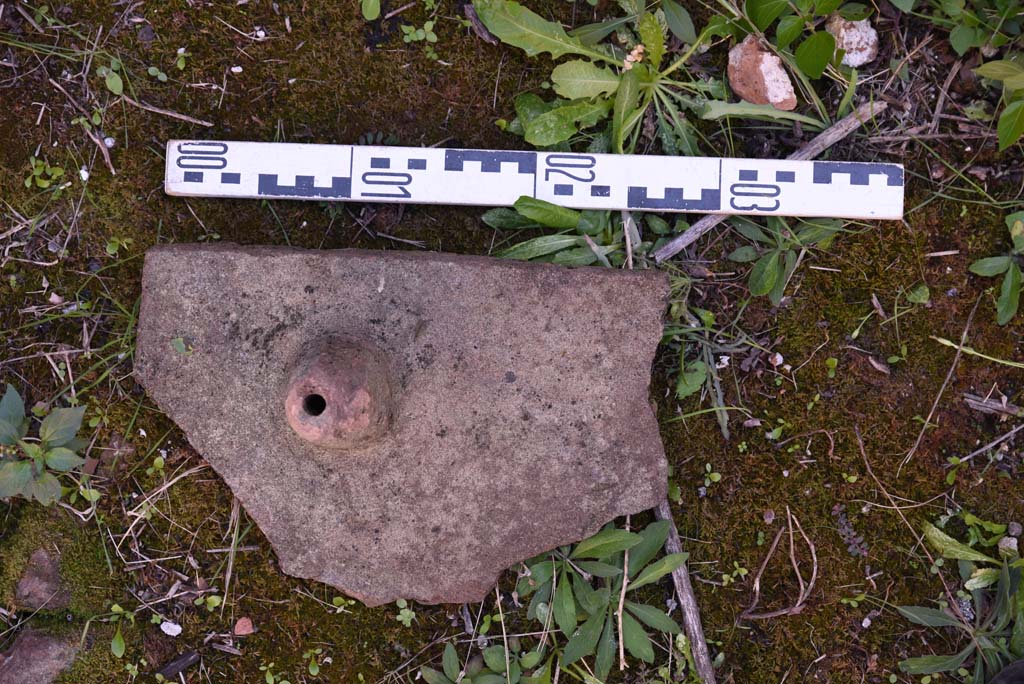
(83, 568)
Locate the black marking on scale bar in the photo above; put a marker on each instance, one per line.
(490, 161)
(710, 200)
(859, 172)
(417, 164)
(785, 177)
(304, 187)
(600, 191)
(380, 163)
(193, 176)
(230, 178)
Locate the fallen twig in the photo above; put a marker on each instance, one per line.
(805, 587)
(819, 144)
(1004, 409)
(88, 131)
(938, 397)
(165, 112)
(687, 600)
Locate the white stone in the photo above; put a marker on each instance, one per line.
(858, 38)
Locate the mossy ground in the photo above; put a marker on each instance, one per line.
(320, 82)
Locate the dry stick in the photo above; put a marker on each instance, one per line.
(622, 598)
(954, 605)
(99, 143)
(822, 142)
(687, 600)
(504, 635)
(165, 112)
(994, 443)
(938, 397)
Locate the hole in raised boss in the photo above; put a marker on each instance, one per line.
(314, 404)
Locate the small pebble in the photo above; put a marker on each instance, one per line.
(172, 629)
(109, 142)
(1014, 529)
(236, 69)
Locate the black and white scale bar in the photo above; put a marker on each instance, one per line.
(427, 175)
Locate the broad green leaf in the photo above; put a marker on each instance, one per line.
(1017, 636)
(905, 6)
(658, 569)
(691, 379)
(1011, 124)
(824, 8)
(505, 218)
(605, 650)
(679, 21)
(636, 640)
(933, 664)
(540, 574)
(45, 489)
(489, 678)
(564, 606)
(818, 231)
(814, 54)
(14, 478)
(371, 9)
(10, 433)
(789, 29)
(717, 109)
(537, 247)
(561, 123)
(63, 459)
(591, 34)
(744, 254)
(990, 266)
(584, 256)
(546, 213)
(999, 70)
(606, 543)
(432, 676)
(951, 548)
(114, 83)
(60, 426)
(450, 662)
(963, 37)
(626, 100)
(763, 12)
(1015, 224)
(527, 30)
(653, 617)
(765, 273)
(529, 660)
(581, 79)
(598, 569)
(779, 290)
(117, 643)
(654, 536)
(981, 578)
(652, 37)
(12, 407)
(929, 617)
(584, 641)
(494, 658)
(587, 598)
(1009, 296)
(919, 294)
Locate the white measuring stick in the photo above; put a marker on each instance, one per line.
(428, 175)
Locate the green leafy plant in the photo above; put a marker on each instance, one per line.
(574, 594)
(30, 466)
(710, 476)
(370, 9)
(41, 174)
(181, 57)
(406, 615)
(988, 24)
(1009, 72)
(606, 80)
(313, 659)
(1008, 266)
(88, 122)
(271, 677)
(777, 251)
(990, 618)
(737, 574)
(212, 602)
(156, 73)
(116, 244)
(111, 76)
(119, 615)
